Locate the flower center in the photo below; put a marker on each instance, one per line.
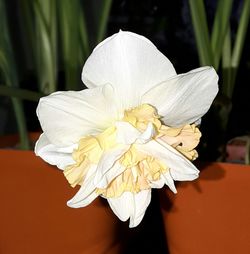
(139, 170)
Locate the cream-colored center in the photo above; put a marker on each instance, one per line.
(140, 170)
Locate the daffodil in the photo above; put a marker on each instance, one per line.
(133, 129)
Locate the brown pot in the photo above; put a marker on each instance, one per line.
(12, 141)
(34, 217)
(211, 214)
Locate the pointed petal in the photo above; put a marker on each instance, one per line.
(86, 193)
(185, 98)
(141, 201)
(59, 156)
(181, 169)
(103, 180)
(122, 206)
(131, 63)
(107, 163)
(131, 205)
(65, 117)
(169, 181)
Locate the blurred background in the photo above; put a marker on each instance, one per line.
(44, 44)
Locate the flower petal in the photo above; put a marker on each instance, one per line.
(180, 168)
(61, 157)
(106, 163)
(65, 117)
(146, 135)
(141, 201)
(169, 181)
(131, 63)
(86, 193)
(157, 184)
(130, 205)
(128, 134)
(121, 206)
(185, 98)
(104, 180)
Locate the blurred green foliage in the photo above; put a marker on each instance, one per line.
(217, 48)
(9, 73)
(51, 33)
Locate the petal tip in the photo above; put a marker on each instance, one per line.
(71, 204)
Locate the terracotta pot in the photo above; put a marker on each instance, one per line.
(11, 141)
(35, 217)
(211, 214)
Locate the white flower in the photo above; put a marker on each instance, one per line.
(133, 129)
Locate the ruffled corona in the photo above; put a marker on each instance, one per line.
(140, 170)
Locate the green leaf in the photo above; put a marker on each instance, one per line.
(69, 12)
(220, 26)
(46, 44)
(27, 27)
(9, 74)
(84, 38)
(241, 34)
(20, 93)
(231, 60)
(226, 65)
(198, 15)
(102, 25)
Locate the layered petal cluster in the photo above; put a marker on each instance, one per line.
(132, 130)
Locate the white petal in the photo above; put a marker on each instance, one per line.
(59, 156)
(146, 135)
(131, 63)
(65, 117)
(169, 181)
(130, 205)
(185, 98)
(181, 169)
(198, 122)
(108, 177)
(86, 193)
(165, 179)
(122, 206)
(158, 184)
(141, 201)
(106, 163)
(128, 134)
